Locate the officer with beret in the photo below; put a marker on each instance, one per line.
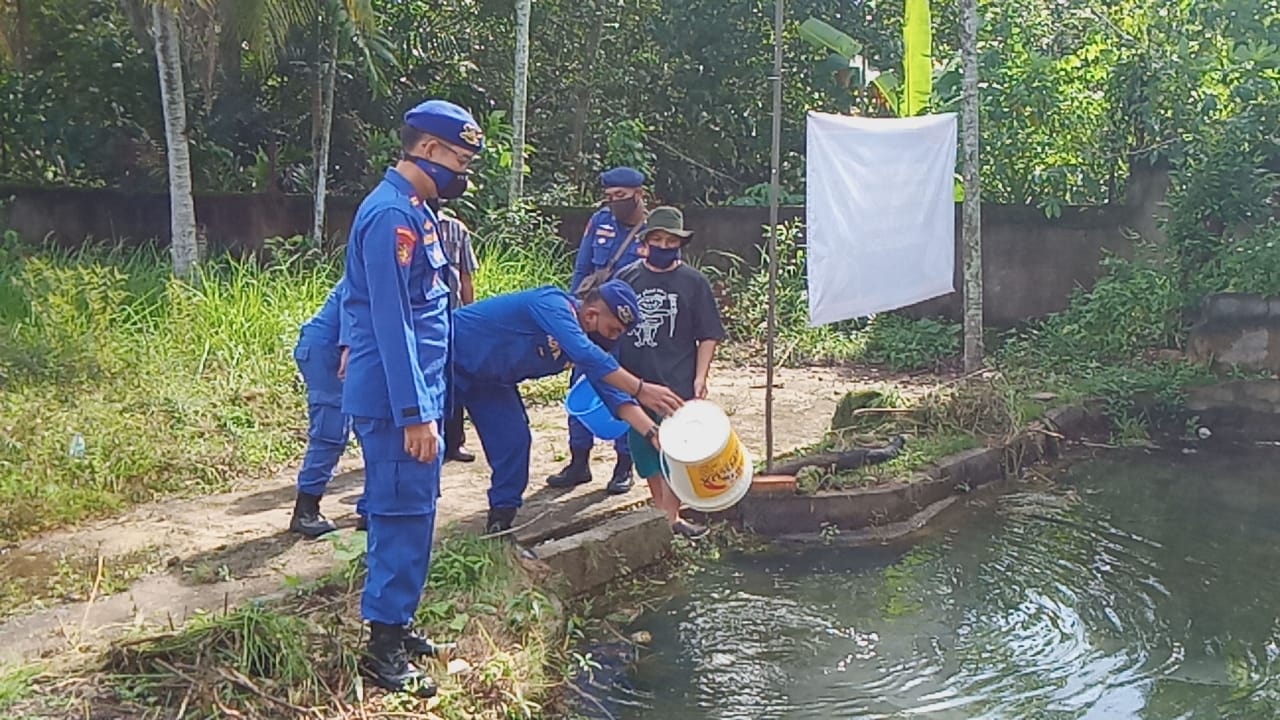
(505, 340)
(610, 243)
(396, 311)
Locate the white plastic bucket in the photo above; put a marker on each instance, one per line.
(704, 462)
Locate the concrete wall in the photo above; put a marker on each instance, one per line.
(1238, 331)
(1031, 264)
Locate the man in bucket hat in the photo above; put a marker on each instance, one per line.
(675, 340)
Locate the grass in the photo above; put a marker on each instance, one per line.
(299, 656)
(172, 387)
(15, 684)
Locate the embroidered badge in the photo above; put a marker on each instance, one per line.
(471, 134)
(624, 314)
(554, 346)
(405, 240)
(414, 201)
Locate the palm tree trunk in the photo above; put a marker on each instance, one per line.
(182, 210)
(327, 78)
(520, 100)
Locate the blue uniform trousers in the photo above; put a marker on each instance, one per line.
(580, 438)
(400, 495)
(498, 414)
(328, 428)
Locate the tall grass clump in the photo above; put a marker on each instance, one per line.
(298, 656)
(170, 386)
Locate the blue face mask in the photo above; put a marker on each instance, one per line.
(663, 258)
(449, 184)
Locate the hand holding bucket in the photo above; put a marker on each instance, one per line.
(705, 464)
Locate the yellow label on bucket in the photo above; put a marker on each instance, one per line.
(715, 476)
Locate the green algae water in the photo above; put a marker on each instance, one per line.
(1139, 586)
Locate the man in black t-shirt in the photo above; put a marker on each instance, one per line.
(674, 341)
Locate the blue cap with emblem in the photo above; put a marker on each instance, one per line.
(448, 122)
(624, 177)
(622, 302)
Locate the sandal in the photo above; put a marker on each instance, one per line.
(690, 530)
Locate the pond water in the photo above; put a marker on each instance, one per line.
(1140, 586)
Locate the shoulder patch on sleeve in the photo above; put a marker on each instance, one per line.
(405, 240)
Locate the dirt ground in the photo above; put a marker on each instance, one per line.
(220, 550)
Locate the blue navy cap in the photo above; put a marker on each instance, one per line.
(622, 302)
(622, 177)
(448, 122)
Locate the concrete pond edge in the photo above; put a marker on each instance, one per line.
(633, 541)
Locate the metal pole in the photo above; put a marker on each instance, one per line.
(775, 180)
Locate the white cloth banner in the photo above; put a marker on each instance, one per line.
(880, 213)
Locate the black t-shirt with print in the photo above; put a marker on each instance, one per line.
(677, 311)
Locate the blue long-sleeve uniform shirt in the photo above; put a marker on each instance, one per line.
(508, 339)
(326, 326)
(599, 243)
(395, 310)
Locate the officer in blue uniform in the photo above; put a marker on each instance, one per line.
(318, 354)
(396, 315)
(505, 340)
(610, 243)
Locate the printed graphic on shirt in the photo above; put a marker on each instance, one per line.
(658, 312)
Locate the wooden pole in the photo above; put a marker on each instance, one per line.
(775, 181)
(519, 104)
(972, 210)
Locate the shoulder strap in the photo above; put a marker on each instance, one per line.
(622, 248)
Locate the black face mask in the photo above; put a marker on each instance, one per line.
(624, 208)
(605, 343)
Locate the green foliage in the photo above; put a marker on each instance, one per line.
(15, 683)
(901, 343)
(1248, 264)
(745, 312)
(627, 147)
(1135, 304)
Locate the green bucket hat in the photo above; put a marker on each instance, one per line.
(666, 219)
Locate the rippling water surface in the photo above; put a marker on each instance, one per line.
(1140, 587)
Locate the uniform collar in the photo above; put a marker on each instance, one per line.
(405, 187)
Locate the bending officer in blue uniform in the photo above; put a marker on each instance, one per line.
(610, 243)
(505, 340)
(396, 311)
(318, 354)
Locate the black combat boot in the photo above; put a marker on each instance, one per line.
(577, 472)
(307, 519)
(621, 482)
(387, 664)
(501, 520)
(419, 645)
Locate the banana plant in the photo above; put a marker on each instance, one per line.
(922, 87)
